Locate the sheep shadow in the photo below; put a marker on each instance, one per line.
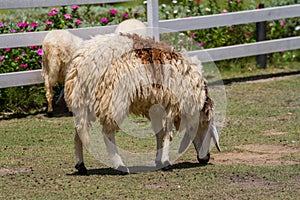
(137, 169)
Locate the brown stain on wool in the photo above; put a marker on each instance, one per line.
(153, 55)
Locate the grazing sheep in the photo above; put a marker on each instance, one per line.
(58, 48)
(132, 26)
(128, 74)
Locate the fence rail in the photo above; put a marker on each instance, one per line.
(11, 4)
(165, 26)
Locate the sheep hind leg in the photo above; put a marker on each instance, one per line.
(109, 140)
(49, 96)
(162, 160)
(79, 165)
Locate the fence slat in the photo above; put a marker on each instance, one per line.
(36, 38)
(153, 18)
(20, 78)
(228, 19)
(10, 4)
(244, 50)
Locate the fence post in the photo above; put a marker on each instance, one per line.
(152, 18)
(261, 35)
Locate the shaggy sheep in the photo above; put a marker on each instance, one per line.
(129, 74)
(132, 26)
(58, 48)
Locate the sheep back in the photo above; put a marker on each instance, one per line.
(58, 48)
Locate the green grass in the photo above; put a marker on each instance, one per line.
(40, 152)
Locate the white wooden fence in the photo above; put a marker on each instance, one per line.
(191, 23)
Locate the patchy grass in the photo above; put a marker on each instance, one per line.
(260, 158)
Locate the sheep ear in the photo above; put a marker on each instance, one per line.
(184, 143)
(215, 136)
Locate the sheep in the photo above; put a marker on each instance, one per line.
(58, 47)
(129, 74)
(132, 26)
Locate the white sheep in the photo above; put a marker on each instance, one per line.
(58, 48)
(128, 74)
(132, 26)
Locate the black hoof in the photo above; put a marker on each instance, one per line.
(166, 166)
(81, 169)
(204, 161)
(49, 114)
(123, 170)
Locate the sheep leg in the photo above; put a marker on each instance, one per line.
(49, 96)
(79, 165)
(162, 150)
(109, 139)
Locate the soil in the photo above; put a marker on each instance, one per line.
(4, 171)
(258, 155)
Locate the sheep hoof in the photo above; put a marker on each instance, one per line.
(49, 114)
(204, 161)
(81, 169)
(166, 166)
(123, 170)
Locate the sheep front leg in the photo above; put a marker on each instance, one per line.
(79, 165)
(109, 139)
(162, 160)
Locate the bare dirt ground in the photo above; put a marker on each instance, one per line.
(258, 155)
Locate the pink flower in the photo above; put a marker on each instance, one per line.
(54, 11)
(16, 59)
(224, 11)
(126, 15)
(198, 1)
(67, 16)
(271, 24)
(20, 24)
(137, 11)
(25, 24)
(192, 35)
(75, 7)
(1, 24)
(48, 22)
(40, 52)
(200, 44)
(282, 23)
(113, 12)
(33, 47)
(104, 20)
(12, 30)
(78, 22)
(34, 24)
(23, 54)
(7, 49)
(1, 58)
(23, 65)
